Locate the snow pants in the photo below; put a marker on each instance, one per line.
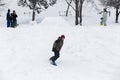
(56, 56)
(104, 22)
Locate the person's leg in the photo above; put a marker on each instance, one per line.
(101, 22)
(56, 56)
(8, 23)
(51, 58)
(15, 24)
(104, 22)
(11, 23)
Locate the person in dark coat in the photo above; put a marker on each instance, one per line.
(56, 48)
(8, 18)
(14, 20)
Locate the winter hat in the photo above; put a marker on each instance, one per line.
(62, 36)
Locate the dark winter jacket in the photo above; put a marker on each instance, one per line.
(57, 45)
(8, 16)
(14, 16)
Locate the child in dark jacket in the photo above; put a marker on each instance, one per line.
(14, 20)
(56, 48)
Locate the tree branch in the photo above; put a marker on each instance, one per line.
(70, 5)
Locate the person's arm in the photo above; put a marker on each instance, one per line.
(54, 46)
(16, 15)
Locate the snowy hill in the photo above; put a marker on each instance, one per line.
(87, 54)
(90, 52)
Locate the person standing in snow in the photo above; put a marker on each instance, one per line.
(104, 17)
(14, 20)
(56, 48)
(8, 18)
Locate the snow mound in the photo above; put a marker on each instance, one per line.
(55, 21)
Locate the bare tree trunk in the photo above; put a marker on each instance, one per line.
(68, 8)
(70, 4)
(117, 15)
(33, 16)
(80, 12)
(77, 14)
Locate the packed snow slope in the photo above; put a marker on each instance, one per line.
(90, 52)
(87, 54)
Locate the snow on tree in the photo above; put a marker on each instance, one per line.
(1, 5)
(36, 5)
(79, 9)
(52, 2)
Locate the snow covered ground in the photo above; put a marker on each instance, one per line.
(90, 52)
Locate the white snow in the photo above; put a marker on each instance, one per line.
(90, 52)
